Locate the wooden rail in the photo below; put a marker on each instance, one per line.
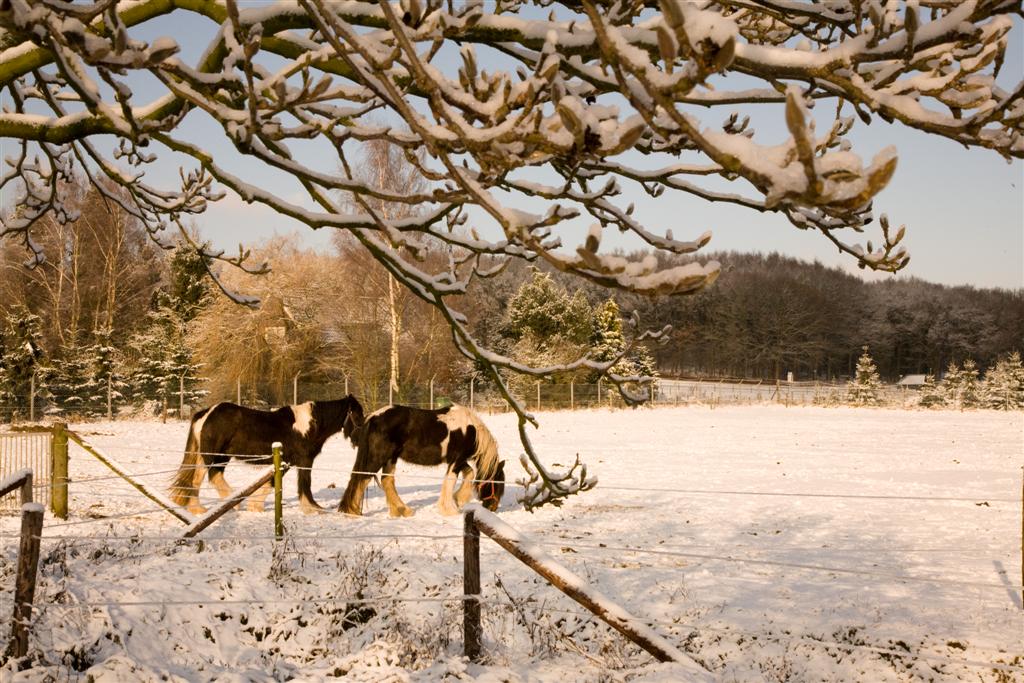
(154, 496)
(479, 519)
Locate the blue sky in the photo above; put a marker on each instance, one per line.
(964, 209)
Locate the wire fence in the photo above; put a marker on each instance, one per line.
(723, 554)
(538, 396)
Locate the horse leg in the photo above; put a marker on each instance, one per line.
(446, 502)
(465, 490)
(194, 506)
(352, 502)
(217, 479)
(255, 502)
(396, 508)
(305, 477)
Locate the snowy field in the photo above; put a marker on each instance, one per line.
(768, 543)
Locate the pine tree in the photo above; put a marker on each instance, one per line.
(545, 311)
(1004, 384)
(70, 375)
(162, 363)
(608, 341)
(865, 390)
(961, 387)
(107, 380)
(931, 394)
(23, 356)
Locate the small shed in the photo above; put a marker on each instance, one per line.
(911, 381)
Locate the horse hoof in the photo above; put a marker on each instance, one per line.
(402, 512)
(310, 510)
(197, 511)
(253, 508)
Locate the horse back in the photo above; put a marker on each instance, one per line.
(239, 430)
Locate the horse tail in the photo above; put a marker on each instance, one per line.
(182, 487)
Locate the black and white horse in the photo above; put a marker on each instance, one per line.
(226, 430)
(454, 436)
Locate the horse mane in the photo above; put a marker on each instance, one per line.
(486, 454)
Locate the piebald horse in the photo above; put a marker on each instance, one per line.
(225, 430)
(454, 436)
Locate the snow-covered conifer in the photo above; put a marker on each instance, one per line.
(866, 388)
(931, 395)
(23, 356)
(1004, 384)
(960, 385)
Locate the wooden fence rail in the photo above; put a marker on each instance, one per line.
(155, 496)
(479, 519)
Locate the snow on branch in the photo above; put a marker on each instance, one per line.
(524, 125)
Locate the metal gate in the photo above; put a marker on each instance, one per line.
(20, 450)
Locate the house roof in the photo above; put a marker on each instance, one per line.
(911, 380)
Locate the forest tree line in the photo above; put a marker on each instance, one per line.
(111, 316)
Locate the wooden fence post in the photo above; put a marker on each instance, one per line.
(25, 586)
(538, 394)
(59, 470)
(471, 588)
(32, 398)
(572, 395)
(278, 521)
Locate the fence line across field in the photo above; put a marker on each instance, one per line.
(955, 583)
(639, 489)
(536, 396)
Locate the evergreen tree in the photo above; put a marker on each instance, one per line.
(189, 290)
(107, 380)
(609, 341)
(162, 364)
(23, 356)
(961, 387)
(931, 394)
(545, 311)
(1004, 384)
(70, 375)
(865, 390)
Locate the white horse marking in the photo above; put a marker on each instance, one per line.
(303, 413)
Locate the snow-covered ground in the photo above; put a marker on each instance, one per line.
(769, 543)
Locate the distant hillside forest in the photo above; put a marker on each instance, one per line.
(111, 317)
(768, 315)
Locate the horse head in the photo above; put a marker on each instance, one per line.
(491, 489)
(354, 420)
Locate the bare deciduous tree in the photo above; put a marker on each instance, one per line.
(539, 121)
